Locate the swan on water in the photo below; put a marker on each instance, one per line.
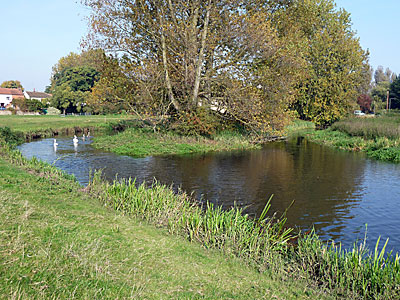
(55, 144)
(75, 140)
(83, 137)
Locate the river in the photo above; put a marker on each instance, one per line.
(336, 192)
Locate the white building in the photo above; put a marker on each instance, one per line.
(7, 95)
(42, 97)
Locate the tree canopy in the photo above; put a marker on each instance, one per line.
(253, 62)
(71, 87)
(12, 84)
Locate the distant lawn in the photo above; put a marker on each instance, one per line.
(58, 243)
(41, 123)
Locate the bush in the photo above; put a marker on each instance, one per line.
(10, 137)
(200, 122)
(53, 111)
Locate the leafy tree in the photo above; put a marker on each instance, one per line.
(12, 84)
(114, 91)
(72, 86)
(336, 65)
(395, 93)
(182, 55)
(365, 102)
(379, 92)
(383, 76)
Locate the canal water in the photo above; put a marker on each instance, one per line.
(336, 192)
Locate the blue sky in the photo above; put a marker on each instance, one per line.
(37, 33)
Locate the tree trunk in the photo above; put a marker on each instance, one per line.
(200, 58)
(166, 73)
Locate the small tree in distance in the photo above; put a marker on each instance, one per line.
(365, 102)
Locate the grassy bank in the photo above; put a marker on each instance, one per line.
(378, 137)
(46, 126)
(265, 244)
(141, 142)
(57, 242)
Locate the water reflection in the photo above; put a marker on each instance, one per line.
(337, 192)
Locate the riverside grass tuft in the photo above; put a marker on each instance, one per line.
(142, 142)
(381, 148)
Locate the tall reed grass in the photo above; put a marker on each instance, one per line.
(387, 126)
(231, 231)
(355, 273)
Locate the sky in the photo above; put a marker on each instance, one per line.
(35, 34)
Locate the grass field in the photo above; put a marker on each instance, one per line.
(40, 123)
(56, 242)
(31, 127)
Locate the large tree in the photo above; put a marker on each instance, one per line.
(72, 86)
(246, 60)
(204, 53)
(336, 65)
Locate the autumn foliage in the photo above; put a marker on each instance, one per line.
(257, 63)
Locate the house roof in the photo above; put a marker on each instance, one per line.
(14, 92)
(38, 95)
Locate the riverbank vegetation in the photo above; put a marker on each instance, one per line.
(58, 244)
(57, 241)
(378, 137)
(142, 142)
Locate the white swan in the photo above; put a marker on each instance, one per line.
(75, 140)
(55, 144)
(83, 137)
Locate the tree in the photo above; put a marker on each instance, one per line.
(12, 84)
(395, 93)
(365, 102)
(183, 55)
(336, 65)
(379, 92)
(72, 86)
(114, 91)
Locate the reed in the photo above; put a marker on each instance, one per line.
(356, 272)
(231, 231)
(387, 126)
(262, 242)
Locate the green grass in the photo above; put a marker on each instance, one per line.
(387, 126)
(46, 126)
(380, 148)
(357, 273)
(57, 242)
(143, 142)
